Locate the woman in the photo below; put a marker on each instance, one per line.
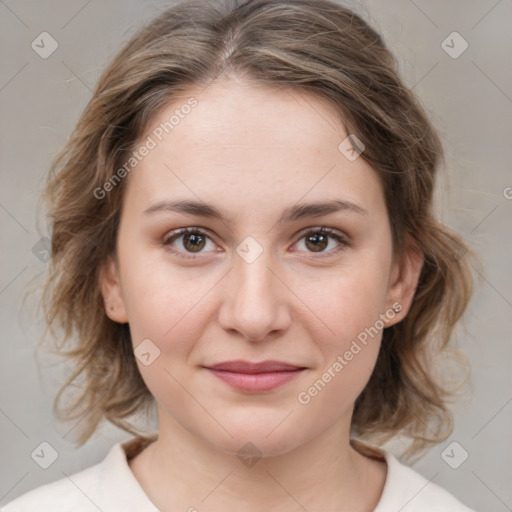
(243, 237)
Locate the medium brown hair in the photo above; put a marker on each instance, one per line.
(311, 46)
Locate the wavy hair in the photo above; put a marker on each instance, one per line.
(315, 46)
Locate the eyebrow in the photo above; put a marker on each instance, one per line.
(292, 213)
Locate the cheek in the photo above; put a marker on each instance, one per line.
(349, 300)
(165, 307)
(349, 304)
(349, 347)
(165, 310)
(160, 297)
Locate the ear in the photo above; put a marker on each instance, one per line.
(112, 292)
(403, 282)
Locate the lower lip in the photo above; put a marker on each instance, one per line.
(256, 382)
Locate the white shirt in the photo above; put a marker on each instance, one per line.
(110, 486)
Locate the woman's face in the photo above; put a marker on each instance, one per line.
(254, 173)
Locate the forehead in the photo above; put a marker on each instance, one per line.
(234, 141)
(235, 113)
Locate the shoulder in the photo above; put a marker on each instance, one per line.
(109, 486)
(408, 491)
(74, 492)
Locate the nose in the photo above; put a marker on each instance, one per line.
(255, 303)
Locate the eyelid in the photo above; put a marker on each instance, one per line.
(323, 229)
(183, 231)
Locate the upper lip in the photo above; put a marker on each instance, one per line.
(240, 366)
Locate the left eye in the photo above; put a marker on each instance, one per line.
(317, 240)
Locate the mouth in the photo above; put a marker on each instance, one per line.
(255, 376)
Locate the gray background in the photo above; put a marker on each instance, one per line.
(470, 101)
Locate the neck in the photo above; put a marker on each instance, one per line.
(180, 471)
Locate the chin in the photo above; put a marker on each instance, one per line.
(257, 444)
(265, 434)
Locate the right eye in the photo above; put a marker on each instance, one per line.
(192, 241)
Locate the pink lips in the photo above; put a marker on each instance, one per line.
(255, 377)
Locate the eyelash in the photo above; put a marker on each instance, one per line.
(173, 235)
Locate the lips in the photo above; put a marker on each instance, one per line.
(248, 367)
(255, 376)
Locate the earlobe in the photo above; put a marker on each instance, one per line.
(112, 293)
(403, 283)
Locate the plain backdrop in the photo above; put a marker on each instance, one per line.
(469, 98)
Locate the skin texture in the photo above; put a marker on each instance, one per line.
(253, 152)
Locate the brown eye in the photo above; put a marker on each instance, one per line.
(193, 242)
(317, 242)
(187, 242)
